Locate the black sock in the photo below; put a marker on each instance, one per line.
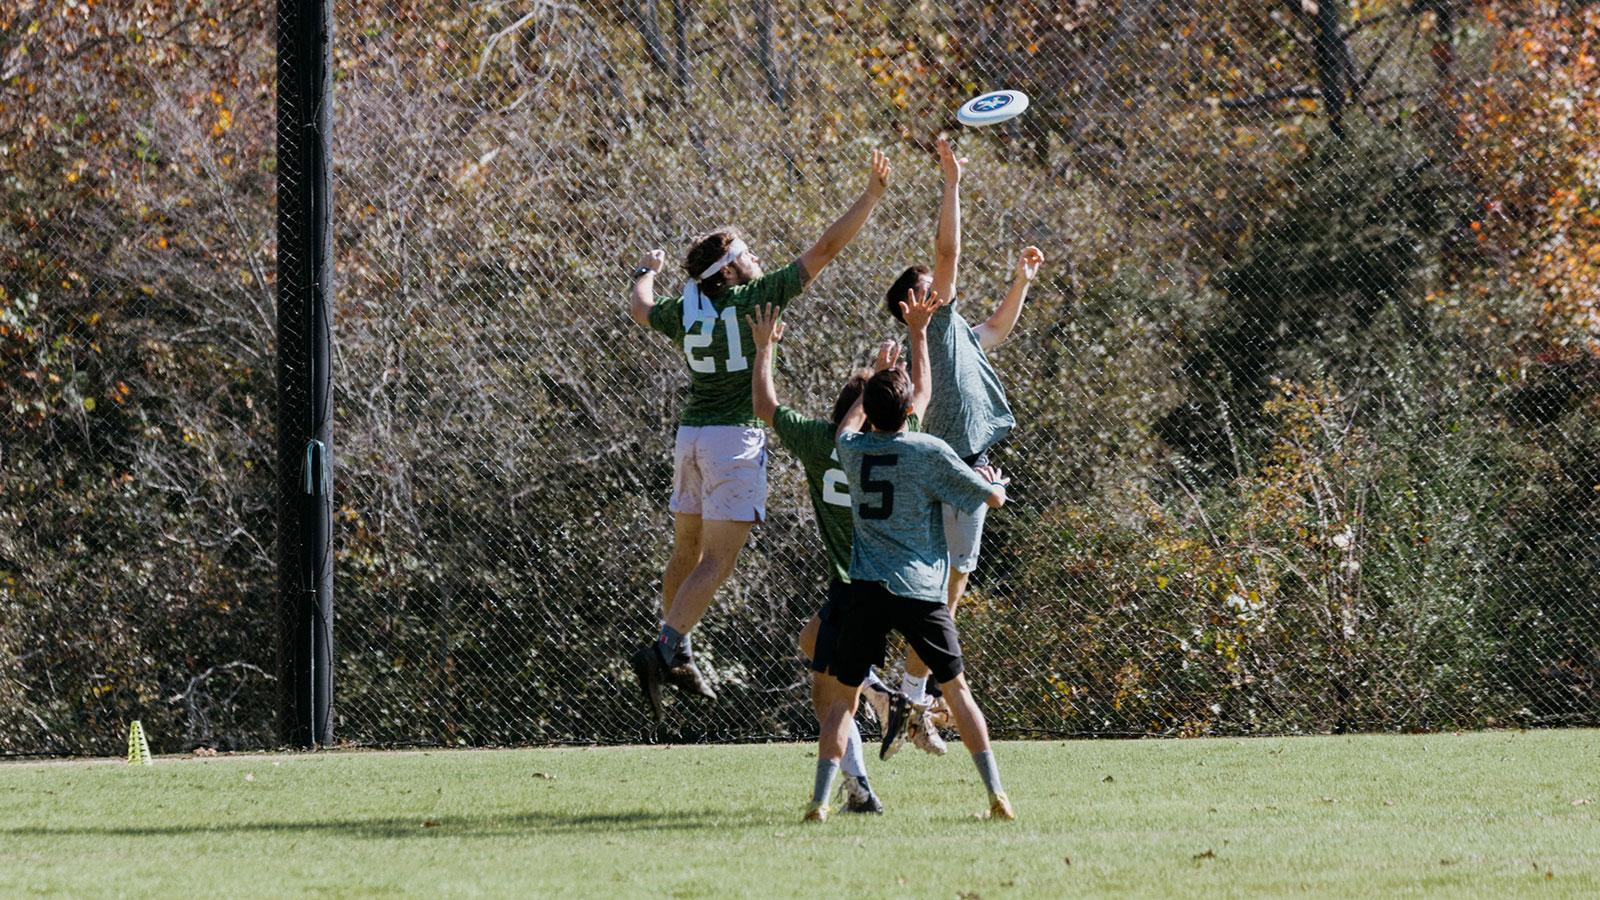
(674, 647)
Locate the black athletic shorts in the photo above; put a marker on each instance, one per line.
(865, 618)
(828, 631)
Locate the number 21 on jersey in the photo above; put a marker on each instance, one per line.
(701, 337)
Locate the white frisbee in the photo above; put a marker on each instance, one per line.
(993, 107)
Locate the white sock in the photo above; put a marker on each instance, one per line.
(853, 762)
(915, 689)
(873, 679)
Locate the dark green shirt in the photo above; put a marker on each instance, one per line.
(719, 349)
(811, 441)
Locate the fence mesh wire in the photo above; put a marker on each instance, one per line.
(1306, 393)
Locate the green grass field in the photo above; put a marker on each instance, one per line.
(1493, 813)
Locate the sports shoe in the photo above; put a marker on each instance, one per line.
(895, 725)
(859, 797)
(816, 812)
(924, 733)
(650, 670)
(1000, 808)
(879, 697)
(686, 677)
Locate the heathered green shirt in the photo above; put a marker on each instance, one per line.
(718, 350)
(811, 441)
(969, 409)
(897, 482)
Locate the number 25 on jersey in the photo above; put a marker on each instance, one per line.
(703, 335)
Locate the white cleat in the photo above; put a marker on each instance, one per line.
(1000, 808)
(924, 733)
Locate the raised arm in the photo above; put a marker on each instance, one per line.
(855, 418)
(841, 232)
(768, 331)
(643, 296)
(917, 314)
(947, 241)
(995, 329)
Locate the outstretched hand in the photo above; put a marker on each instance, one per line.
(917, 313)
(878, 175)
(766, 324)
(1028, 263)
(948, 162)
(993, 475)
(888, 355)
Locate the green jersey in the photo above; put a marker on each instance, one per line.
(719, 348)
(812, 442)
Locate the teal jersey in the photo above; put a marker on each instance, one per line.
(968, 409)
(897, 482)
(718, 348)
(811, 441)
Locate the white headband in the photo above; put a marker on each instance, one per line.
(695, 304)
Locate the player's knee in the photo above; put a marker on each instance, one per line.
(685, 553)
(719, 563)
(955, 687)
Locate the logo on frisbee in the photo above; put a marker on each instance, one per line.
(990, 102)
(992, 107)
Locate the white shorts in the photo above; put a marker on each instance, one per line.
(963, 534)
(720, 472)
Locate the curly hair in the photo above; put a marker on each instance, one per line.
(704, 251)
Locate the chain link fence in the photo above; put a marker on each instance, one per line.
(1306, 394)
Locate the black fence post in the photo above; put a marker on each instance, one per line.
(305, 293)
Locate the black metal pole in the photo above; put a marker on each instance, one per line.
(304, 374)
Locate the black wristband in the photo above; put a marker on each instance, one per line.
(640, 272)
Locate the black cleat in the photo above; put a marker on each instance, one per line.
(651, 671)
(894, 730)
(859, 798)
(686, 677)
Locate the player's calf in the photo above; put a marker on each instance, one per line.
(975, 735)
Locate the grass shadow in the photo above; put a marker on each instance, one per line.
(427, 826)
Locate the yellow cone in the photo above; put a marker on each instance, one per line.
(138, 747)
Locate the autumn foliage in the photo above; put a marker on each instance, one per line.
(1307, 398)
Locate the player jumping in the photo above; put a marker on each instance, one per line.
(899, 567)
(812, 441)
(968, 410)
(719, 459)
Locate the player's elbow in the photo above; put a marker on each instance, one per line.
(639, 312)
(815, 259)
